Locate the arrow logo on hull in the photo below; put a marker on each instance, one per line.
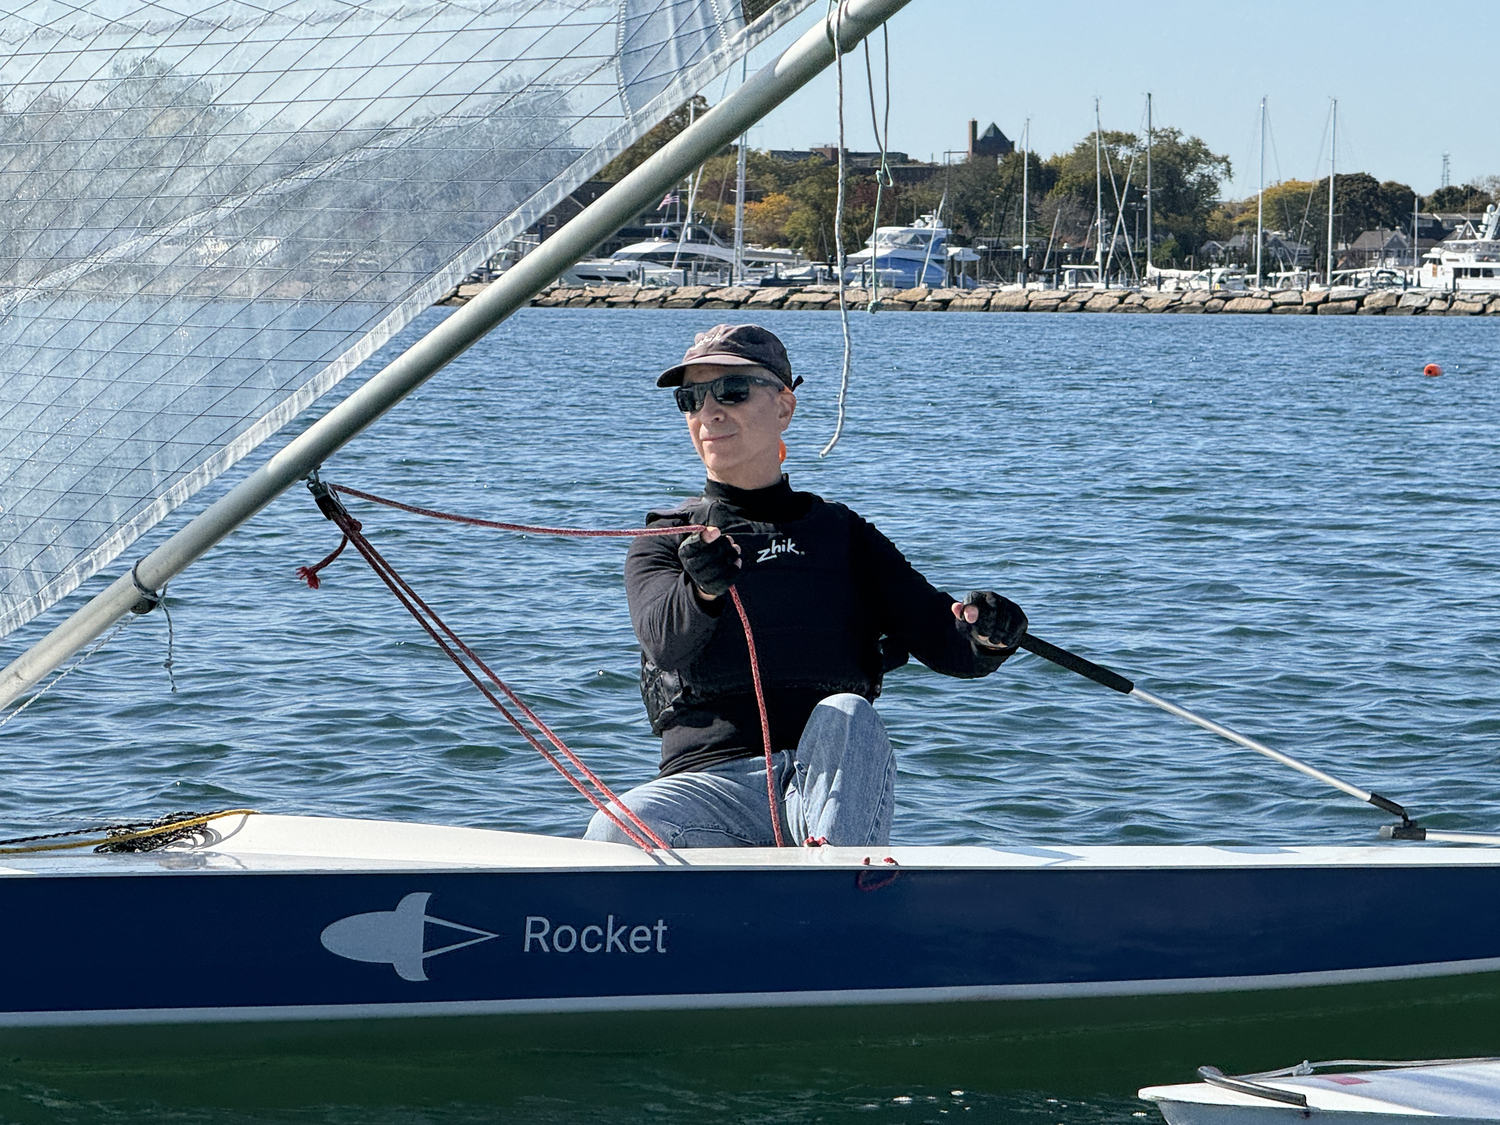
(395, 937)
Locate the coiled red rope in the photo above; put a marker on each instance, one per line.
(637, 831)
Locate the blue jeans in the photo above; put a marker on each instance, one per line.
(839, 785)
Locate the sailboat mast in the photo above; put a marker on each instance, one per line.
(1150, 203)
(1025, 195)
(739, 195)
(1047, 257)
(739, 213)
(772, 85)
(1260, 194)
(1098, 202)
(1416, 207)
(1333, 148)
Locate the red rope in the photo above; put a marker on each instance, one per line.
(765, 721)
(366, 548)
(436, 628)
(351, 529)
(309, 574)
(531, 529)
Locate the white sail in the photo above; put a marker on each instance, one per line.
(211, 213)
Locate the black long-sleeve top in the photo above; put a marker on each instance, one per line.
(832, 604)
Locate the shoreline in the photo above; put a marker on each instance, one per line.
(1285, 302)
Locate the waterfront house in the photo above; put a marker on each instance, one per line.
(1378, 249)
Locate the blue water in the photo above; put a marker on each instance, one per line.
(1277, 522)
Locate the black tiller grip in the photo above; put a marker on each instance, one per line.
(1075, 663)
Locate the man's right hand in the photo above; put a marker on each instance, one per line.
(711, 560)
(991, 621)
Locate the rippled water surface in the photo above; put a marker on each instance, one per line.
(1277, 522)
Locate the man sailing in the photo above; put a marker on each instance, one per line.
(833, 606)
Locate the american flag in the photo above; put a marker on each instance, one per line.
(672, 199)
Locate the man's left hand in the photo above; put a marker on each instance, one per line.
(990, 620)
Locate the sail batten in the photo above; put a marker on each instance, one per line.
(211, 214)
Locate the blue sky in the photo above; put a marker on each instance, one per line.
(1410, 86)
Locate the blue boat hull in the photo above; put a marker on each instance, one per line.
(899, 272)
(218, 946)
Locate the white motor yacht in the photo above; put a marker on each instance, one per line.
(905, 257)
(676, 256)
(1464, 260)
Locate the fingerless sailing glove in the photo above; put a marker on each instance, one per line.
(1001, 622)
(712, 567)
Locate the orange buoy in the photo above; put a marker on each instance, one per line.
(781, 452)
(1432, 369)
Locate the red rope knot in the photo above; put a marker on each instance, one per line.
(816, 842)
(309, 574)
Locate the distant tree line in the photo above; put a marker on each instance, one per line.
(1299, 208)
(794, 204)
(1467, 198)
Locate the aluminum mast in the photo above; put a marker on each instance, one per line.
(1333, 148)
(1149, 201)
(1025, 196)
(739, 197)
(1416, 212)
(1098, 203)
(1260, 195)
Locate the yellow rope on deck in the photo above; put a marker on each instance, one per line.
(111, 833)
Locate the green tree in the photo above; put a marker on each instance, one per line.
(1009, 181)
(766, 219)
(658, 135)
(979, 198)
(1073, 173)
(1289, 208)
(1185, 180)
(1299, 210)
(983, 196)
(1363, 203)
(809, 228)
(1460, 197)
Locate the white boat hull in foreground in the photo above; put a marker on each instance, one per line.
(1445, 1093)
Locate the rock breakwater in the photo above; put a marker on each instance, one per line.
(1283, 302)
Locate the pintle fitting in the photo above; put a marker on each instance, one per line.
(1408, 829)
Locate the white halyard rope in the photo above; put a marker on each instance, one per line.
(836, 10)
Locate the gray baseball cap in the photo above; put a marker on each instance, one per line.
(734, 345)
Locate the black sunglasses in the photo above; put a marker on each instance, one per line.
(728, 390)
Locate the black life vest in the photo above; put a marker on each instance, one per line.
(801, 587)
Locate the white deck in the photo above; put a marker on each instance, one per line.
(271, 843)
